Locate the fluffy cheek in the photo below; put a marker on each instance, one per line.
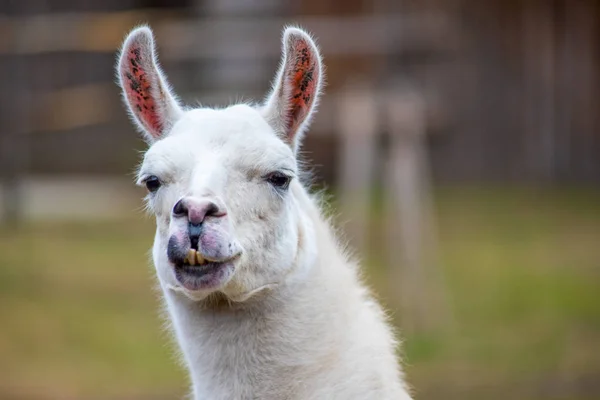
(269, 252)
(268, 233)
(162, 224)
(161, 261)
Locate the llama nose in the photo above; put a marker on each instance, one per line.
(196, 210)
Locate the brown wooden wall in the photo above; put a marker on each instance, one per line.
(512, 96)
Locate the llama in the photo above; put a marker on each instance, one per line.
(263, 300)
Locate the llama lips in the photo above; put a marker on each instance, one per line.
(200, 273)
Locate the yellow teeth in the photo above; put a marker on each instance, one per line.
(191, 257)
(195, 258)
(199, 259)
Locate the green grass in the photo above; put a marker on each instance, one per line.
(80, 316)
(521, 270)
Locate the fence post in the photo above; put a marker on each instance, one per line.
(14, 139)
(412, 248)
(357, 126)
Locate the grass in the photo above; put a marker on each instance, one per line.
(521, 270)
(80, 316)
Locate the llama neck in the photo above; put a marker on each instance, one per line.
(279, 332)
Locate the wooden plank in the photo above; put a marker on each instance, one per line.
(237, 38)
(71, 31)
(75, 107)
(95, 104)
(227, 38)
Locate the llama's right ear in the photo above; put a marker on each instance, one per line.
(296, 88)
(145, 89)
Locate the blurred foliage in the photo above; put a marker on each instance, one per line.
(80, 315)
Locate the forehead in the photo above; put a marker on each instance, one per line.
(235, 133)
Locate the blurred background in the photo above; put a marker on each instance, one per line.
(459, 141)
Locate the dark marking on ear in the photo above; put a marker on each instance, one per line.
(145, 90)
(302, 79)
(139, 90)
(136, 53)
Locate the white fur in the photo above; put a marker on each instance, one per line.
(293, 321)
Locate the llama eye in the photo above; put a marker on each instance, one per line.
(152, 183)
(279, 180)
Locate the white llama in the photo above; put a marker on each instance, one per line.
(263, 300)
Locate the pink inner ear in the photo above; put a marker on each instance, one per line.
(138, 88)
(303, 78)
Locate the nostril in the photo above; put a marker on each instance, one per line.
(180, 209)
(194, 231)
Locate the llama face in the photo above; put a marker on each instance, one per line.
(230, 158)
(221, 182)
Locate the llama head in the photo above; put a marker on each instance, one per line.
(223, 182)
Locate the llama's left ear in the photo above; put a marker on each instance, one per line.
(296, 88)
(146, 92)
